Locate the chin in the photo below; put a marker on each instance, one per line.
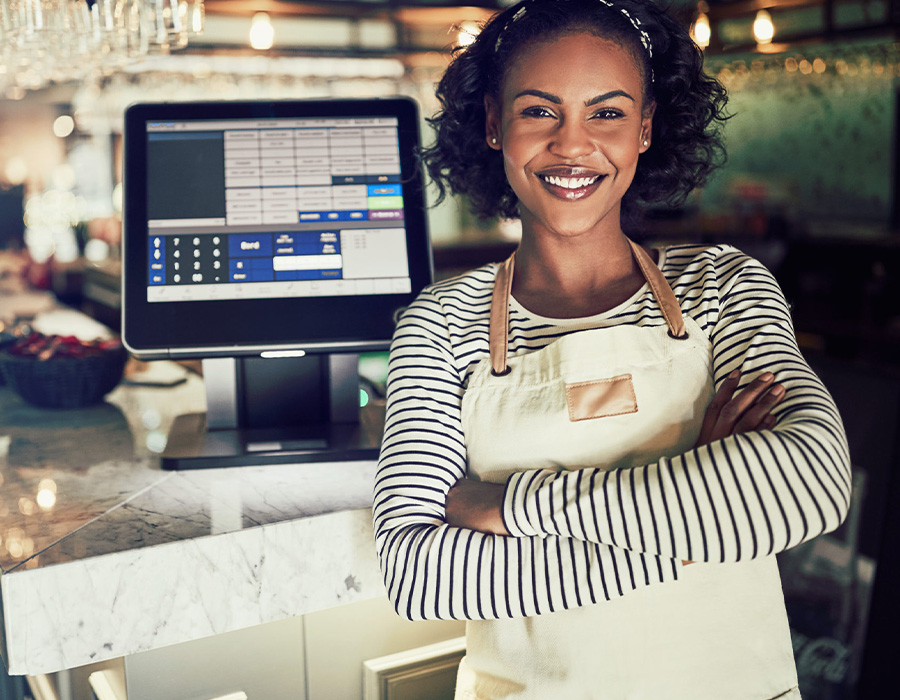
(574, 226)
(571, 219)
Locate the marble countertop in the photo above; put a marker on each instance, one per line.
(103, 554)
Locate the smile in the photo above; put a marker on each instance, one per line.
(569, 183)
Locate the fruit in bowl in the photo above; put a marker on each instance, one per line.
(56, 371)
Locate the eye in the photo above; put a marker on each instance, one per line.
(537, 112)
(607, 114)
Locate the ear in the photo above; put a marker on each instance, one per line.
(647, 127)
(492, 131)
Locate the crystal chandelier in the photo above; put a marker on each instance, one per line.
(50, 41)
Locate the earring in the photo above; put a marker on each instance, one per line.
(646, 143)
(494, 140)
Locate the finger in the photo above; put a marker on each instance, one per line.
(739, 405)
(714, 408)
(735, 409)
(753, 417)
(726, 390)
(767, 422)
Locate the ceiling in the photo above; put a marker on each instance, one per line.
(404, 27)
(343, 27)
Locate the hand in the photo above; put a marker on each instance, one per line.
(751, 409)
(477, 505)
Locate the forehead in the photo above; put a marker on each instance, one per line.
(571, 61)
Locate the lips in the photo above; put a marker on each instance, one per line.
(570, 183)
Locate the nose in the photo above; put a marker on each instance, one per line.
(571, 140)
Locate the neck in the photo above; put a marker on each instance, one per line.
(574, 276)
(573, 266)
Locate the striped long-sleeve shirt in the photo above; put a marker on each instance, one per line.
(742, 497)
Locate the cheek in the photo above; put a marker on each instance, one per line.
(519, 140)
(515, 172)
(517, 153)
(624, 148)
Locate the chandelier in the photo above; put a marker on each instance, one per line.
(51, 41)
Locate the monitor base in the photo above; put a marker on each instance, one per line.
(191, 446)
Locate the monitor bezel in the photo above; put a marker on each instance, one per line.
(198, 329)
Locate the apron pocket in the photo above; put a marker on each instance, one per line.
(601, 398)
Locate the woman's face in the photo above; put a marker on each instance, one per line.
(571, 124)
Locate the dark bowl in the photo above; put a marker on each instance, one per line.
(64, 382)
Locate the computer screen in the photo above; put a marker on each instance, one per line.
(257, 224)
(274, 240)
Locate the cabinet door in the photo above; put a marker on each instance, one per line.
(339, 640)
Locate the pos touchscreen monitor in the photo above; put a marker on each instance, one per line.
(275, 240)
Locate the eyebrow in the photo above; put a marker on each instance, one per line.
(556, 100)
(606, 96)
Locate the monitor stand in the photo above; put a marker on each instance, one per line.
(275, 411)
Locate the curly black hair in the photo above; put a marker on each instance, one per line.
(690, 106)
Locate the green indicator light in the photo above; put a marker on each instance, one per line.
(389, 202)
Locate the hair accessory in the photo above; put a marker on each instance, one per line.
(635, 22)
(516, 16)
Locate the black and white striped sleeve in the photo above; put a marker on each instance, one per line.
(434, 571)
(746, 496)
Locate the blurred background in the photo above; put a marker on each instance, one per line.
(810, 188)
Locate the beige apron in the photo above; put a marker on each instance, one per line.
(617, 397)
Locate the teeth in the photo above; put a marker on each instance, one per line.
(569, 183)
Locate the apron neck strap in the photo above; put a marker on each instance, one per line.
(499, 322)
(662, 291)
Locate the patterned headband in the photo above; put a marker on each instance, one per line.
(635, 22)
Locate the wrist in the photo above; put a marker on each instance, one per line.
(515, 519)
(476, 505)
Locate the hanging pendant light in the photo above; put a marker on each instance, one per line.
(763, 28)
(196, 17)
(262, 33)
(701, 32)
(467, 33)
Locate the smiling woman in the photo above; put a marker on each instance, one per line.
(571, 121)
(593, 450)
(690, 107)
